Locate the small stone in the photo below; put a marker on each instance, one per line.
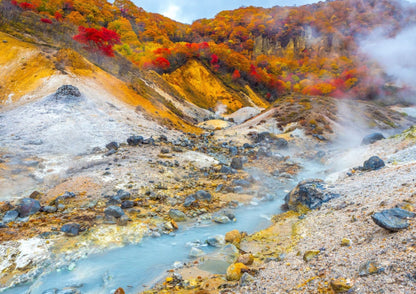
(114, 200)
(310, 254)
(177, 215)
(369, 268)
(235, 271)
(221, 219)
(10, 216)
(373, 163)
(112, 146)
(246, 259)
(165, 151)
(114, 211)
(392, 219)
(28, 206)
(127, 204)
(123, 195)
(242, 183)
(190, 200)
(49, 209)
(35, 195)
(196, 252)
(233, 237)
(123, 220)
(341, 285)
(216, 241)
(71, 229)
(345, 242)
(203, 195)
(237, 163)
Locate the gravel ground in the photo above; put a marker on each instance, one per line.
(349, 217)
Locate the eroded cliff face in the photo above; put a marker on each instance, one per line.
(293, 45)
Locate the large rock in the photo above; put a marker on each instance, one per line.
(281, 143)
(373, 163)
(28, 206)
(371, 138)
(203, 195)
(394, 219)
(309, 193)
(67, 93)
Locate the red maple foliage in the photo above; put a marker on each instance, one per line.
(27, 6)
(236, 75)
(161, 63)
(46, 20)
(95, 40)
(214, 59)
(58, 16)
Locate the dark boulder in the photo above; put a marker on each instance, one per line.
(71, 229)
(373, 163)
(28, 206)
(311, 193)
(263, 152)
(189, 201)
(371, 138)
(135, 140)
(264, 136)
(113, 211)
(242, 183)
(394, 219)
(226, 170)
(114, 200)
(237, 163)
(67, 94)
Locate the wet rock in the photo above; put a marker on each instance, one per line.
(114, 211)
(177, 215)
(10, 216)
(248, 146)
(233, 150)
(135, 140)
(49, 209)
(394, 219)
(149, 141)
(28, 206)
(235, 271)
(309, 193)
(264, 136)
(233, 237)
(319, 137)
(203, 195)
(237, 163)
(190, 200)
(112, 146)
(369, 268)
(263, 152)
(71, 229)
(196, 252)
(373, 163)
(371, 138)
(163, 138)
(216, 241)
(341, 285)
(127, 204)
(123, 195)
(221, 219)
(51, 291)
(310, 254)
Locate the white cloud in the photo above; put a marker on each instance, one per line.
(173, 11)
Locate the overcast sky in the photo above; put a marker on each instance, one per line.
(187, 11)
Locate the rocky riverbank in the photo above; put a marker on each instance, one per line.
(333, 240)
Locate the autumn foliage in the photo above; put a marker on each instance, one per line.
(95, 40)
